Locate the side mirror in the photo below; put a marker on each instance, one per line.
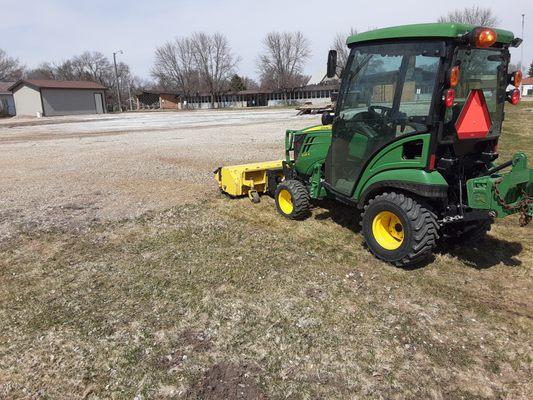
(327, 118)
(334, 96)
(332, 64)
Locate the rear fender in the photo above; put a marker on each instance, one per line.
(418, 181)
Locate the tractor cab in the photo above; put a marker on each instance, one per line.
(452, 88)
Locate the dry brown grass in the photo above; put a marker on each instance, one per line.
(177, 303)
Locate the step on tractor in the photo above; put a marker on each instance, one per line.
(412, 143)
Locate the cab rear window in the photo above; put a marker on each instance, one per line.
(481, 69)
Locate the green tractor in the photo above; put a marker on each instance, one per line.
(413, 141)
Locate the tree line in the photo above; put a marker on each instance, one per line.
(205, 63)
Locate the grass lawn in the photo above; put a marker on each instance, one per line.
(225, 299)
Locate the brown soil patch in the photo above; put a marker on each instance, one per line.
(198, 340)
(228, 381)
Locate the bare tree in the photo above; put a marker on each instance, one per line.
(63, 72)
(281, 65)
(471, 15)
(97, 67)
(339, 44)
(45, 70)
(93, 66)
(202, 62)
(126, 84)
(214, 61)
(87, 66)
(10, 68)
(250, 83)
(174, 67)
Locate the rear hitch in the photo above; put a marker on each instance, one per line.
(504, 194)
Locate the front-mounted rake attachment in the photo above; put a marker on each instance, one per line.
(249, 179)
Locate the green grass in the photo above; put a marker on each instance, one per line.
(301, 310)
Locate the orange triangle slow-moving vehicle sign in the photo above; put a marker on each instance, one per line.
(474, 121)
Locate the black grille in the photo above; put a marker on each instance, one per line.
(298, 142)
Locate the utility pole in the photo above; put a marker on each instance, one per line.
(116, 78)
(522, 47)
(129, 94)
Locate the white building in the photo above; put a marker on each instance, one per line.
(527, 87)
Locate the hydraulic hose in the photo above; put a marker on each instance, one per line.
(499, 168)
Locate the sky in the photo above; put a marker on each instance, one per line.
(54, 30)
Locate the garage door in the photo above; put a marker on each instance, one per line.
(99, 103)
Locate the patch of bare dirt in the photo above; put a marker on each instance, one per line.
(228, 381)
(198, 340)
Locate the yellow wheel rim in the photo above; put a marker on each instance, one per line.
(388, 230)
(285, 201)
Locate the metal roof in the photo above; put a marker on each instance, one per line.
(433, 30)
(52, 84)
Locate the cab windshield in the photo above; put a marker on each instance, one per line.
(392, 85)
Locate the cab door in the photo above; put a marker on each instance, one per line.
(383, 87)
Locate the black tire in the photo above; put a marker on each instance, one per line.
(293, 192)
(415, 238)
(467, 233)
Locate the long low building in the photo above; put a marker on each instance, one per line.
(311, 94)
(37, 97)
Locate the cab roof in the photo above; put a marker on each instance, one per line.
(433, 30)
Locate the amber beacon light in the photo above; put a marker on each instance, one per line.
(454, 76)
(516, 78)
(484, 37)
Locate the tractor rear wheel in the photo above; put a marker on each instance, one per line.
(398, 229)
(292, 199)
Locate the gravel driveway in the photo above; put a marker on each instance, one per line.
(66, 172)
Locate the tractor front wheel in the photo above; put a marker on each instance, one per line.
(292, 199)
(399, 230)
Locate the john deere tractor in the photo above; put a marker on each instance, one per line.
(412, 144)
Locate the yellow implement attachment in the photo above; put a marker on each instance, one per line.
(248, 179)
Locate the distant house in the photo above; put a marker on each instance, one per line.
(158, 99)
(527, 86)
(48, 97)
(7, 104)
